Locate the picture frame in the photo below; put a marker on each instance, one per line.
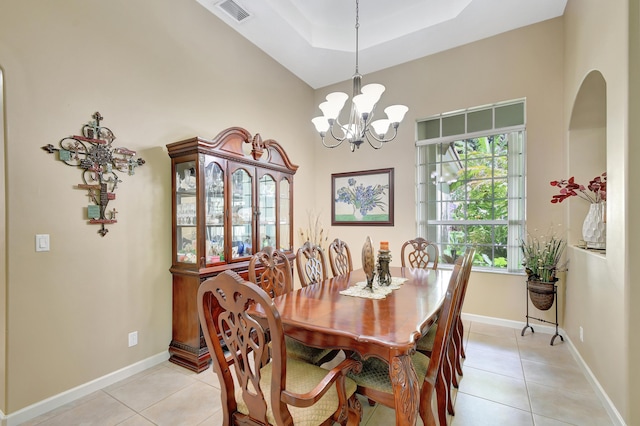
(363, 198)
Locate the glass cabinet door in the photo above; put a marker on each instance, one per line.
(186, 212)
(241, 214)
(285, 216)
(214, 209)
(267, 217)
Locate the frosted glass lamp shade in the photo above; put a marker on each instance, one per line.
(333, 105)
(321, 123)
(364, 103)
(381, 126)
(396, 113)
(374, 90)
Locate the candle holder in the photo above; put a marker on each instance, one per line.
(384, 259)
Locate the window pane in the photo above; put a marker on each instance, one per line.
(429, 129)
(479, 120)
(453, 125)
(510, 115)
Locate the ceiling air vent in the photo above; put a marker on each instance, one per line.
(234, 10)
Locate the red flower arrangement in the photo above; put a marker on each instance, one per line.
(595, 192)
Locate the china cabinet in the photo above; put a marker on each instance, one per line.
(232, 196)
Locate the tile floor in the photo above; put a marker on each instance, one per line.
(508, 380)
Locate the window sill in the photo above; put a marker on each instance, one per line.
(475, 268)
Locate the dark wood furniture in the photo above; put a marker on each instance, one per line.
(271, 270)
(455, 353)
(311, 264)
(226, 206)
(276, 279)
(377, 382)
(420, 253)
(340, 257)
(272, 387)
(318, 315)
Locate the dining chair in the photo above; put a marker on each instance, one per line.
(275, 275)
(311, 264)
(456, 350)
(271, 270)
(422, 253)
(374, 381)
(282, 390)
(340, 258)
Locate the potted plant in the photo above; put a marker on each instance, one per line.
(541, 259)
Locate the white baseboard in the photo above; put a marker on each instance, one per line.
(85, 389)
(615, 416)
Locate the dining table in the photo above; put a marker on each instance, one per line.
(321, 315)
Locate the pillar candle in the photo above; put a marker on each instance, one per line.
(384, 245)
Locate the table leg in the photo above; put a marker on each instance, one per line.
(406, 390)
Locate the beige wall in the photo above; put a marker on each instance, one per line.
(3, 257)
(597, 286)
(526, 63)
(158, 71)
(632, 299)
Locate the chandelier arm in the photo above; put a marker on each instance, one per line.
(337, 139)
(334, 145)
(371, 143)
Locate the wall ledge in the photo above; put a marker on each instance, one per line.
(592, 252)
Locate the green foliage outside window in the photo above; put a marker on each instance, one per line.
(480, 194)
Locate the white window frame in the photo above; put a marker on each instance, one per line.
(516, 177)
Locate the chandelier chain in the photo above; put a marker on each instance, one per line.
(357, 28)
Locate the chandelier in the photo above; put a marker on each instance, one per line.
(360, 126)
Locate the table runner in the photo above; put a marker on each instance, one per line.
(379, 292)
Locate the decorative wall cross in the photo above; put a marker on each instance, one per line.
(93, 153)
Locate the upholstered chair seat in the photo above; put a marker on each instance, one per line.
(301, 378)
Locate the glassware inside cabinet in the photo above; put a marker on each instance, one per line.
(241, 214)
(267, 217)
(214, 210)
(186, 212)
(285, 218)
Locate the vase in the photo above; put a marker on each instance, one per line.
(541, 293)
(594, 228)
(357, 214)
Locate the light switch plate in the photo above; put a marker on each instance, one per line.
(42, 242)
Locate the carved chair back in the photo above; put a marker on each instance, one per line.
(311, 264)
(420, 253)
(276, 277)
(340, 258)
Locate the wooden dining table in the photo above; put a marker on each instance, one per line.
(318, 315)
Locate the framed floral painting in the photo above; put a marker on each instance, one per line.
(362, 198)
